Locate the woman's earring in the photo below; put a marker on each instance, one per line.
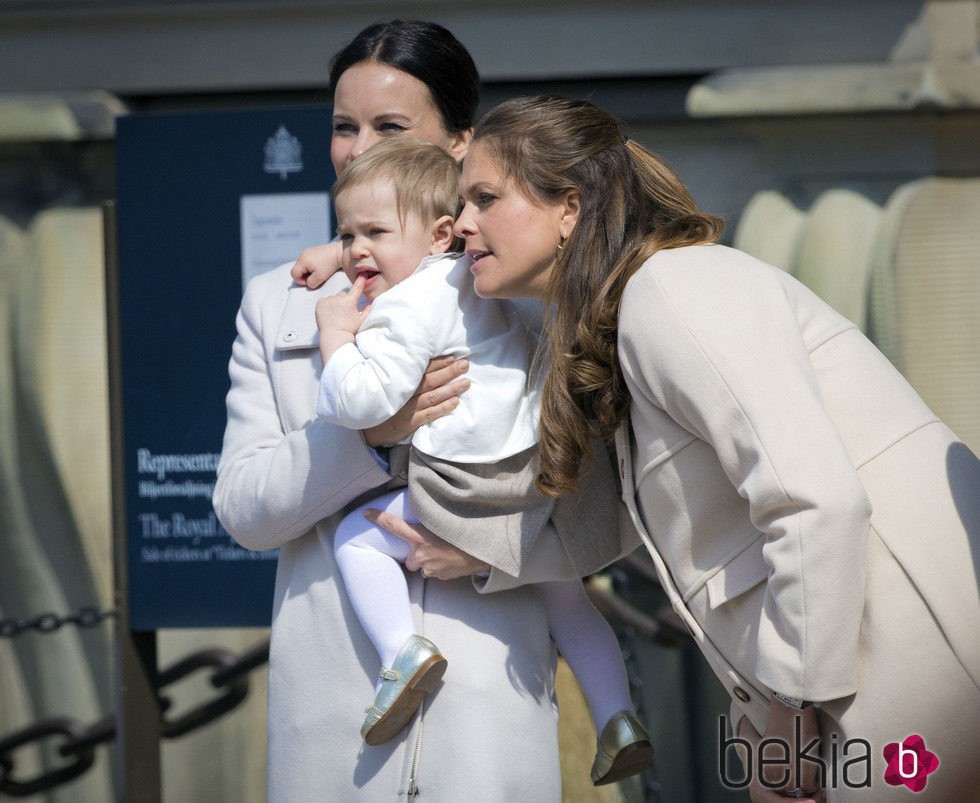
(561, 242)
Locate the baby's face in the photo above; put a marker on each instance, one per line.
(375, 244)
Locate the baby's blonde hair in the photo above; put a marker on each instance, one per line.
(425, 177)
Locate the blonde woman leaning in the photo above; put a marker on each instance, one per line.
(815, 524)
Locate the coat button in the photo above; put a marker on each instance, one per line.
(741, 693)
(289, 336)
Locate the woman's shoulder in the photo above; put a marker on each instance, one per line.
(704, 286)
(270, 282)
(700, 271)
(698, 260)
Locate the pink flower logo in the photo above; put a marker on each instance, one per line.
(909, 763)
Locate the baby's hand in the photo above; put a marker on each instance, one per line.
(339, 319)
(300, 273)
(317, 264)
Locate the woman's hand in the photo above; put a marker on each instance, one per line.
(437, 395)
(317, 264)
(429, 553)
(781, 783)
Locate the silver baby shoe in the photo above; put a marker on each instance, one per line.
(623, 749)
(416, 671)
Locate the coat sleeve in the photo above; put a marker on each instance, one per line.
(720, 350)
(367, 383)
(273, 486)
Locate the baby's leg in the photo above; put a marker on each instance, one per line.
(370, 561)
(589, 645)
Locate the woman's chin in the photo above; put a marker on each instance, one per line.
(485, 288)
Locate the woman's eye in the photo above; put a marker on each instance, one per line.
(485, 199)
(344, 128)
(391, 128)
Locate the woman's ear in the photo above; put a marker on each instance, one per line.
(459, 143)
(571, 207)
(442, 235)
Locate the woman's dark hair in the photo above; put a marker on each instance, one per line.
(425, 51)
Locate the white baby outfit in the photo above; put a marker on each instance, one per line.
(436, 311)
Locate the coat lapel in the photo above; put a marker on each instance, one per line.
(297, 327)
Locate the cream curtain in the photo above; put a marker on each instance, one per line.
(55, 520)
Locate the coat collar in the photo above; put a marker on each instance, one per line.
(297, 327)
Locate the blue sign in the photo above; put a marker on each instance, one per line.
(204, 202)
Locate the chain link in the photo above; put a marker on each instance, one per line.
(66, 727)
(234, 691)
(88, 616)
(229, 678)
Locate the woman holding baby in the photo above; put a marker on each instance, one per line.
(287, 476)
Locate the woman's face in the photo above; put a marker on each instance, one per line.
(512, 239)
(373, 101)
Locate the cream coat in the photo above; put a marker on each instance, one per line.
(490, 731)
(816, 526)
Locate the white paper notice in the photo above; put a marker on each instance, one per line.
(276, 227)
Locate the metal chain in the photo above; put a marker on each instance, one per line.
(229, 677)
(89, 616)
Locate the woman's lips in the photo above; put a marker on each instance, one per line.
(476, 256)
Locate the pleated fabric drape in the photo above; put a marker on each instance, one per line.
(55, 522)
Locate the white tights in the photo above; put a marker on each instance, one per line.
(370, 561)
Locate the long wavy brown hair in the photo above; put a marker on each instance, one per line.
(632, 205)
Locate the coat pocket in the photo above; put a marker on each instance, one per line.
(742, 573)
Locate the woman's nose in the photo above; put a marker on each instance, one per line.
(463, 227)
(365, 139)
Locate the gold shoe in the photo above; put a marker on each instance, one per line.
(416, 671)
(623, 749)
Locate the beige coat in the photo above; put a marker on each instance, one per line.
(817, 527)
(490, 731)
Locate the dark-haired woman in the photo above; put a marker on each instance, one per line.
(285, 477)
(815, 524)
